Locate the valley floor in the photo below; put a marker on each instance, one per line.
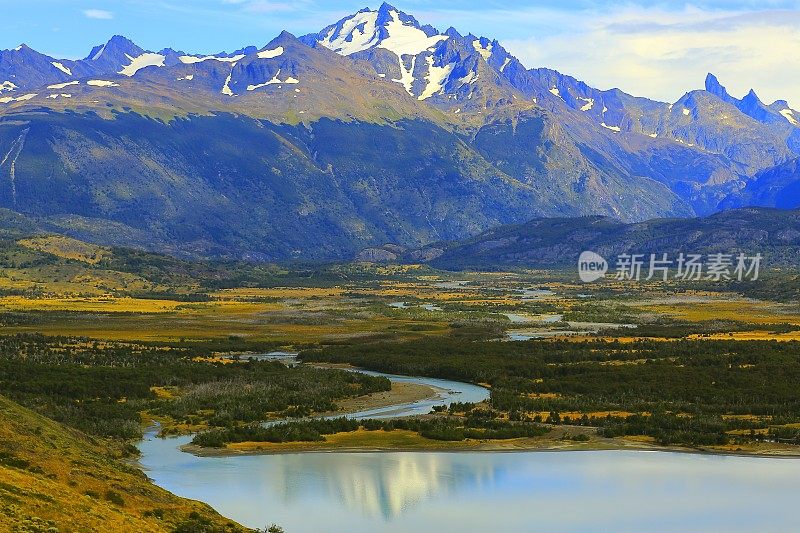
(92, 351)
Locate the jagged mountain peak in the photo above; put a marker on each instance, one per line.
(425, 61)
(713, 86)
(114, 47)
(751, 105)
(384, 9)
(751, 96)
(453, 33)
(283, 38)
(387, 28)
(120, 40)
(116, 44)
(22, 50)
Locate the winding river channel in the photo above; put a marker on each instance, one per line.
(482, 491)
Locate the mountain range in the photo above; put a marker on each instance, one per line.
(378, 129)
(558, 242)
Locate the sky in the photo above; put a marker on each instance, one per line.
(656, 49)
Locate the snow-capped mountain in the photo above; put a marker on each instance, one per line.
(394, 42)
(379, 128)
(449, 68)
(467, 73)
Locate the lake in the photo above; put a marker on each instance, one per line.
(483, 491)
(487, 491)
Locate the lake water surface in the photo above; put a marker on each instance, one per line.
(483, 491)
(477, 491)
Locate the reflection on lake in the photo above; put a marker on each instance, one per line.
(482, 491)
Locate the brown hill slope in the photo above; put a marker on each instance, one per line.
(53, 478)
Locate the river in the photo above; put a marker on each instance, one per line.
(482, 491)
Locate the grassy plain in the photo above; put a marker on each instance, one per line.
(61, 286)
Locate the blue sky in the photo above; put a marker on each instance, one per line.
(654, 49)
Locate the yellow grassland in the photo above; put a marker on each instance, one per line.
(110, 304)
(67, 248)
(589, 414)
(279, 292)
(749, 336)
(742, 310)
(72, 280)
(360, 439)
(286, 314)
(55, 477)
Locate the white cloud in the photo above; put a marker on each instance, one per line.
(663, 53)
(100, 14)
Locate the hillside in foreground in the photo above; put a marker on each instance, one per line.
(58, 479)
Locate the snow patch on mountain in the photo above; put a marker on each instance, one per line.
(485, 52)
(62, 85)
(404, 39)
(407, 75)
(274, 81)
(554, 91)
(226, 88)
(7, 86)
(471, 77)
(102, 83)
(357, 34)
(62, 68)
(269, 54)
(588, 105)
(615, 129)
(99, 52)
(788, 114)
(190, 60)
(437, 77)
(147, 59)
